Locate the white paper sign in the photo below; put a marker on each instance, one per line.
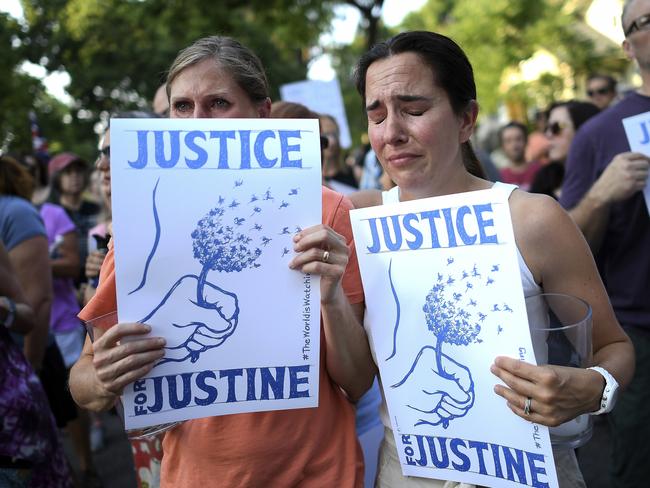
(637, 130)
(323, 97)
(444, 298)
(204, 214)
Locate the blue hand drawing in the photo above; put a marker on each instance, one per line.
(453, 318)
(156, 220)
(221, 248)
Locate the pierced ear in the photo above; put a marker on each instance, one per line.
(264, 108)
(468, 121)
(628, 50)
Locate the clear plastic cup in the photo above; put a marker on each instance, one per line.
(104, 322)
(560, 327)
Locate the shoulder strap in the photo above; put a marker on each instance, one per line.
(390, 196)
(504, 187)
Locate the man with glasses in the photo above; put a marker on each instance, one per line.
(603, 192)
(601, 90)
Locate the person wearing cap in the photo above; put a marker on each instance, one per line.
(68, 180)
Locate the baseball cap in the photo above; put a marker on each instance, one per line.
(62, 161)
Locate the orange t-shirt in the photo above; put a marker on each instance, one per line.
(310, 447)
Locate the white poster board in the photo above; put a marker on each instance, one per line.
(204, 212)
(444, 298)
(637, 130)
(323, 97)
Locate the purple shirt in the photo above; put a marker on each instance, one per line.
(64, 306)
(624, 256)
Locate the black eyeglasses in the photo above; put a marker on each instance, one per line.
(599, 91)
(104, 151)
(555, 128)
(639, 24)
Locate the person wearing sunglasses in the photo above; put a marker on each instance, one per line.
(603, 191)
(564, 119)
(601, 90)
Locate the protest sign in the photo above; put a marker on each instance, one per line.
(444, 297)
(323, 97)
(204, 214)
(637, 130)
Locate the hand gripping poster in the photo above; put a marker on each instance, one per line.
(637, 130)
(444, 298)
(204, 216)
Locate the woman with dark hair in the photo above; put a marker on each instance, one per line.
(564, 119)
(420, 99)
(217, 77)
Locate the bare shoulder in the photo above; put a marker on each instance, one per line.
(535, 215)
(544, 232)
(365, 198)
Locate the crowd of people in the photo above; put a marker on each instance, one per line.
(580, 222)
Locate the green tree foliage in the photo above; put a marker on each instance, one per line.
(117, 52)
(499, 34)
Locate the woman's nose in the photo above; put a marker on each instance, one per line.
(200, 112)
(395, 132)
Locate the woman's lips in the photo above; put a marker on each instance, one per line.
(401, 159)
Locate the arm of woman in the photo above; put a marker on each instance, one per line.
(347, 354)
(24, 319)
(30, 261)
(109, 364)
(66, 262)
(560, 260)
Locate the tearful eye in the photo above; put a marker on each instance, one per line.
(182, 106)
(220, 103)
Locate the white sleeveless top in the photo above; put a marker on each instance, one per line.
(528, 282)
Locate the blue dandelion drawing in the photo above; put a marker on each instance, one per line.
(285, 230)
(253, 198)
(454, 319)
(284, 204)
(221, 244)
(294, 191)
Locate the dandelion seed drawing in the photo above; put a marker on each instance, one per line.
(453, 319)
(284, 204)
(221, 245)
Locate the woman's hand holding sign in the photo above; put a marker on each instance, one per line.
(557, 393)
(121, 355)
(323, 252)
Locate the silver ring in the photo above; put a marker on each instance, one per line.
(527, 406)
(326, 256)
